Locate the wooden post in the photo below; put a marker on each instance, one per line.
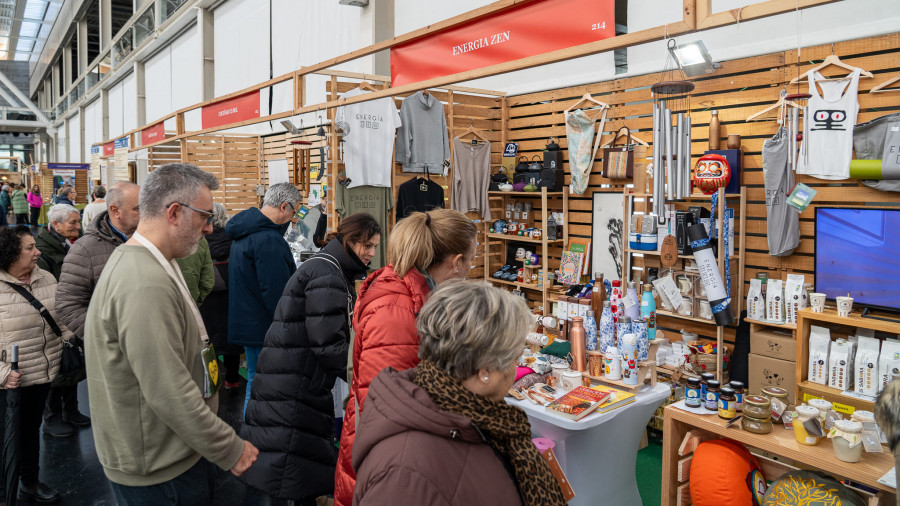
(333, 171)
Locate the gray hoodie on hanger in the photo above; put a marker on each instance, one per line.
(422, 141)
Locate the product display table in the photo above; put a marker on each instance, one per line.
(598, 452)
(780, 442)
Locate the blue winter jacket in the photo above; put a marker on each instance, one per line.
(259, 267)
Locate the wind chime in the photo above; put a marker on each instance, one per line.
(671, 139)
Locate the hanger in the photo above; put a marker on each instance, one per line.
(623, 132)
(586, 98)
(883, 87)
(830, 60)
(474, 132)
(425, 93)
(781, 103)
(366, 86)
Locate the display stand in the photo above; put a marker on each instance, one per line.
(806, 318)
(740, 236)
(682, 431)
(491, 265)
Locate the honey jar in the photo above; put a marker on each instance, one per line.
(727, 403)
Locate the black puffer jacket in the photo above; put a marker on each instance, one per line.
(290, 417)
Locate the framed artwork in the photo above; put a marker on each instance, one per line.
(607, 234)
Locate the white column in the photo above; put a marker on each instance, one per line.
(376, 25)
(206, 27)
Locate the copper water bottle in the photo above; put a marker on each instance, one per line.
(579, 349)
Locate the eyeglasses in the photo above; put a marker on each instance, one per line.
(209, 215)
(293, 209)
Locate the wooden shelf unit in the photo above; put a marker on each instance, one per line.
(780, 442)
(788, 326)
(805, 319)
(740, 249)
(561, 199)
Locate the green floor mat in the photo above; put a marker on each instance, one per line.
(649, 474)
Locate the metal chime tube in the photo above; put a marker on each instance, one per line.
(659, 179)
(670, 176)
(686, 180)
(679, 156)
(795, 123)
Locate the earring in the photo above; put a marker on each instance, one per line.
(487, 379)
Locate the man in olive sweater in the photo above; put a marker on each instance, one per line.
(156, 435)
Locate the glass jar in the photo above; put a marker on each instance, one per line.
(863, 416)
(711, 401)
(570, 380)
(738, 387)
(776, 395)
(727, 403)
(756, 406)
(692, 397)
(822, 405)
(704, 379)
(846, 441)
(804, 414)
(756, 425)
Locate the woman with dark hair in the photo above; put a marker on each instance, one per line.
(40, 347)
(290, 417)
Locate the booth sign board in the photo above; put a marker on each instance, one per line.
(232, 110)
(121, 159)
(532, 29)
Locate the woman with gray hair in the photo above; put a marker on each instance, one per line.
(446, 418)
(63, 229)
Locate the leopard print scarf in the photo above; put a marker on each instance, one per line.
(505, 427)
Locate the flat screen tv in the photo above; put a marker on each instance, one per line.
(857, 251)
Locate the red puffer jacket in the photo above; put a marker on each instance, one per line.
(385, 323)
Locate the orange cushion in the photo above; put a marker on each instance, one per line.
(723, 472)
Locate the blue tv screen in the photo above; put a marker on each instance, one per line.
(858, 252)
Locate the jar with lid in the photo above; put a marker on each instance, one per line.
(805, 414)
(779, 399)
(738, 387)
(846, 440)
(757, 406)
(822, 405)
(727, 403)
(711, 401)
(863, 416)
(692, 397)
(756, 425)
(704, 379)
(570, 380)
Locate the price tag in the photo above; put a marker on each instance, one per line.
(788, 420)
(871, 442)
(843, 408)
(778, 407)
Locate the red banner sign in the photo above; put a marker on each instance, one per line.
(109, 148)
(532, 29)
(154, 133)
(232, 110)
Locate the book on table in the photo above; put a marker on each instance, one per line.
(617, 398)
(578, 403)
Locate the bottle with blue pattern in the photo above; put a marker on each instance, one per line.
(623, 328)
(590, 331)
(607, 330)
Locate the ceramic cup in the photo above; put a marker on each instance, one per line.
(844, 306)
(817, 301)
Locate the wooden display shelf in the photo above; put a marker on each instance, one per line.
(526, 194)
(833, 395)
(677, 423)
(646, 374)
(790, 326)
(663, 312)
(522, 238)
(527, 286)
(693, 196)
(806, 318)
(657, 253)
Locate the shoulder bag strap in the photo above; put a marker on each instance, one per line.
(37, 305)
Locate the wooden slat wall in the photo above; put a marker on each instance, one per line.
(162, 154)
(738, 89)
(235, 160)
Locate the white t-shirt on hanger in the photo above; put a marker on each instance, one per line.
(369, 143)
(831, 117)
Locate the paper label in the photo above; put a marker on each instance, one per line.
(671, 291)
(871, 442)
(787, 420)
(778, 407)
(843, 408)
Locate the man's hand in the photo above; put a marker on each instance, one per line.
(13, 380)
(248, 457)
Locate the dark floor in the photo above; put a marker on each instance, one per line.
(71, 465)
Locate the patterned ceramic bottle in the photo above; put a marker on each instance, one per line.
(629, 359)
(607, 330)
(590, 331)
(615, 300)
(639, 329)
(623, 328)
